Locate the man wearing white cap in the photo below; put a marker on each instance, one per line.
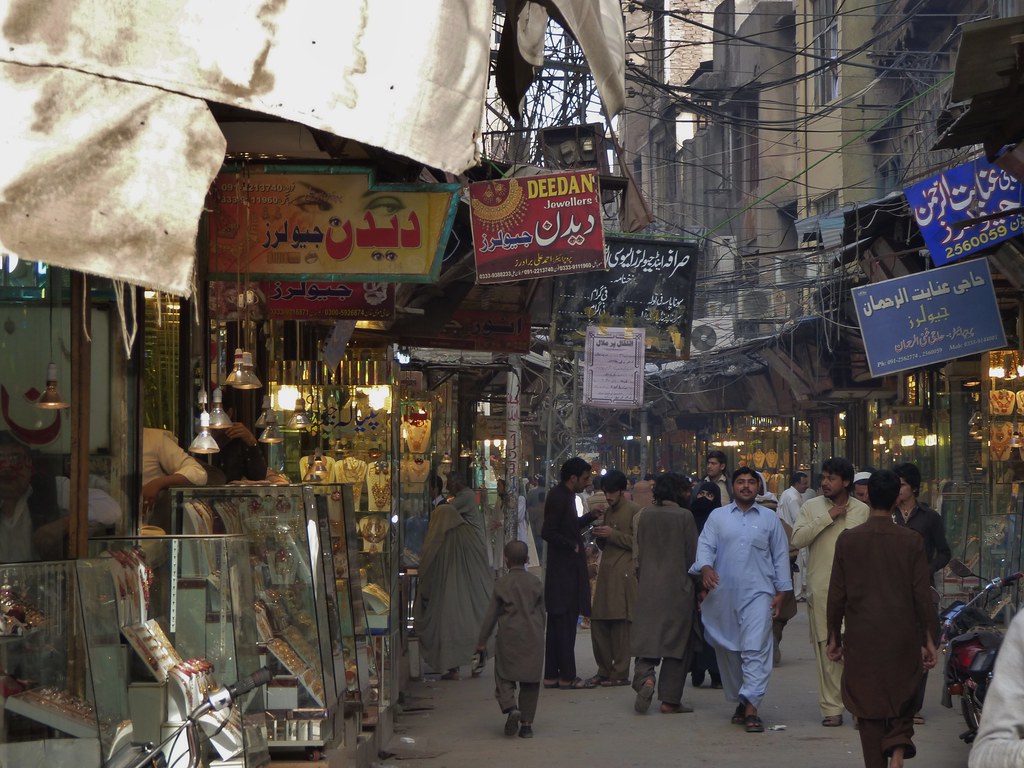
(789, 507)
(860, 486)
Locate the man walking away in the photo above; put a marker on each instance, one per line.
(743, 561)
(517, 609)
(663, 630)
(919, 517)
(880, 589)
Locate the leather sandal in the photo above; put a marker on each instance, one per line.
(832, 721)
(739, 717)
(754, 724)
(578, 683)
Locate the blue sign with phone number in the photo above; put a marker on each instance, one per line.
(973, 190)
(929, 317)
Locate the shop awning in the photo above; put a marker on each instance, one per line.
(986, 89)
(109, 144)
(825, 229)
(854, 223)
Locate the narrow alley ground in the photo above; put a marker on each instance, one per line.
(457, 724)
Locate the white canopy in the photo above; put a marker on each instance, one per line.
(109, 147)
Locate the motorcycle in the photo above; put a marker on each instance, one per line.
(969, 638)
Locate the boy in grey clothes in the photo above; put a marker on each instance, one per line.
(517, 608)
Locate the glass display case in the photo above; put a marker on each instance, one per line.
(303, 611)
(53, 709)
(415, 472)
(180, 603)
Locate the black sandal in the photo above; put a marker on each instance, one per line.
(754, 724)
(739, 717)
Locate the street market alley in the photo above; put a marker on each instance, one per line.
(457, 724)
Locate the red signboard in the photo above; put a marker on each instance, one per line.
(312, 300)
(537, 226)
(480, 332)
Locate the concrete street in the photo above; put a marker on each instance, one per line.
(456, 724)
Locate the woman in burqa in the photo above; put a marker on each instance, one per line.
(705, 497)
(453, 592)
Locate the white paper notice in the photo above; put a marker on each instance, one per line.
(613, 373)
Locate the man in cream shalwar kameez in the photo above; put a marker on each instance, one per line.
(818, 525)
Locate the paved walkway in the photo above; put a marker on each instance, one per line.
(457, 724)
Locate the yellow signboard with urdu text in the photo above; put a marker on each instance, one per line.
(327, 223)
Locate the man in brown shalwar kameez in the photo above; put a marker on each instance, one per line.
(662, 628)
(517, 609)
(880, 586)
(615, 594)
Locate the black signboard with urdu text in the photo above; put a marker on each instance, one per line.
(649, 284)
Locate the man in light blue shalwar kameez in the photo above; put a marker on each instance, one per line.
(743, 562)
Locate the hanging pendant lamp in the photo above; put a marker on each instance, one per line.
(317, 472)
(272, 434)
(204, 442)
(218, 417)
(261, 422)
(51, 399)
(299, 418)
(249, 379)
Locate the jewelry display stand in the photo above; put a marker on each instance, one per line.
(72, 711)
(179, 603)
(302, 607)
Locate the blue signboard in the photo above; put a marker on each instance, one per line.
(970, 191)
(929, 317)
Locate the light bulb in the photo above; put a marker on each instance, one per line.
(249, 379)
(204, 442)
(218, 418)
(317, 472)
(51, 399)
(299, 419)
(261, 422)
(237, 374)
(272, 434)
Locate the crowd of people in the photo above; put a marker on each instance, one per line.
(698, 579)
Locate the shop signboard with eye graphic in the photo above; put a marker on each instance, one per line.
(326, 223)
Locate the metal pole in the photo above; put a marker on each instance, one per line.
(81, 359)
(548, 480)
(513, 435)
(575, 426)
(644, 445)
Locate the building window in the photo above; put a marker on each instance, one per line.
(890, 175)
(826, 204)
(826, 51)
(1005, 9)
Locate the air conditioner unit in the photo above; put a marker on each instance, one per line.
(712, 334)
